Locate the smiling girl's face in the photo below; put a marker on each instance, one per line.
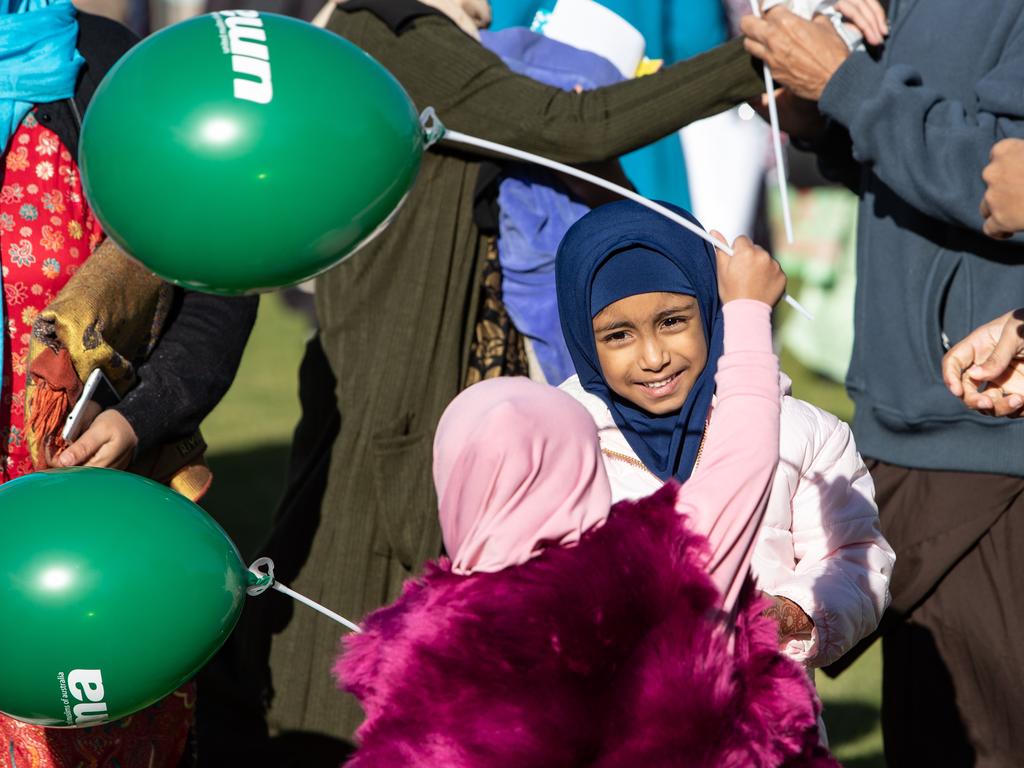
(651, 348)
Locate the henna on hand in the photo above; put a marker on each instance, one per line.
(793, 623)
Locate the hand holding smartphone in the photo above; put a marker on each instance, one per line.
(97, 389)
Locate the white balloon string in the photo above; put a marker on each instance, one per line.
(315, 606)
(460, 138)
(780, 163)
(265, 580)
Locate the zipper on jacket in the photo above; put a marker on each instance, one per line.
(76, 113)
(640, 465)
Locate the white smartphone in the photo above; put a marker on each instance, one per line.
(97, 388)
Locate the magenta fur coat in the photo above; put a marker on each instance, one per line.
(607, 655)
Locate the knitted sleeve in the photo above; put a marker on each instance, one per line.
(927, 148)
(474, 92)
(191, 367)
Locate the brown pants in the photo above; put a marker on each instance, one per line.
(953, 640)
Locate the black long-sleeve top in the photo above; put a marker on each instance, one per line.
(195, 360)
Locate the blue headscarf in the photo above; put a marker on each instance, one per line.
(623, 249)
(38, 59)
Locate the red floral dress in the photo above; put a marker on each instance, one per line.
(47, 231)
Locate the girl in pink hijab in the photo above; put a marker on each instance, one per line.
(565, 633)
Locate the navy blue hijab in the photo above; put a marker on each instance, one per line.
(623, 249)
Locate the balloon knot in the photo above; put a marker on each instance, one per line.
(260, 581)
(433, 128)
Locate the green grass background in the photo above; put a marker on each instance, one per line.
(249, 435)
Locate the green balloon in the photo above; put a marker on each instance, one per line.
(114, 591)
(243, 151)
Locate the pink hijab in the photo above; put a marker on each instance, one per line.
(517, 467)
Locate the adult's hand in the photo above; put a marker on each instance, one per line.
(1002, 207)
(803, 55)
(992, 354)
(867, 17)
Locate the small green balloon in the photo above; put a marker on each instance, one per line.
(243, 151)
(114, 591)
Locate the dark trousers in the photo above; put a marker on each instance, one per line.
(953, 640)
(235, 688)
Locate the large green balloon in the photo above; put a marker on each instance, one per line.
(243, 151)
(114, 591)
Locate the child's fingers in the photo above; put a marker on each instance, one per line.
(721, 257)
(718, 236)
(105, 455)
(742, 243)
(82, 450)
(114, 450)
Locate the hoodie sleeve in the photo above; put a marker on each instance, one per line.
(930, 149)
(725, 498)
(843, 562)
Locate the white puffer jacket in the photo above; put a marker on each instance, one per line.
(820, 544)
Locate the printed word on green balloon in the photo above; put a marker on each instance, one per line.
(243, 151)
(114, 591)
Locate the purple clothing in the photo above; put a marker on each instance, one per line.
(607, 654)
(535, 208)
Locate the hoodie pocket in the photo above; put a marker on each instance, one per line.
(921, 397)
(944, 305)
(403, 481)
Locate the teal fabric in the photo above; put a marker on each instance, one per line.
(38, 59)
(38, 63)
(514, 13)
(674, 30)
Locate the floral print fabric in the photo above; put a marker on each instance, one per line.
(47, 230)
(498, 349)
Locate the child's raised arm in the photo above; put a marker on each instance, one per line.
(725, 498)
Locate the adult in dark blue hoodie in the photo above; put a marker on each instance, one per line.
(909, 127)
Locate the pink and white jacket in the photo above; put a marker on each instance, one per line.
(820, 544)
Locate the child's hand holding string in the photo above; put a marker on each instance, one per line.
(750, 273)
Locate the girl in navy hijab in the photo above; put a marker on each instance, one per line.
(607, 265)
(644, 324)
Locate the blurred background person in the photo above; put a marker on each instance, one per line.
(910, 129)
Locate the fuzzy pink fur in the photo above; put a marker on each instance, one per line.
(608, 654)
